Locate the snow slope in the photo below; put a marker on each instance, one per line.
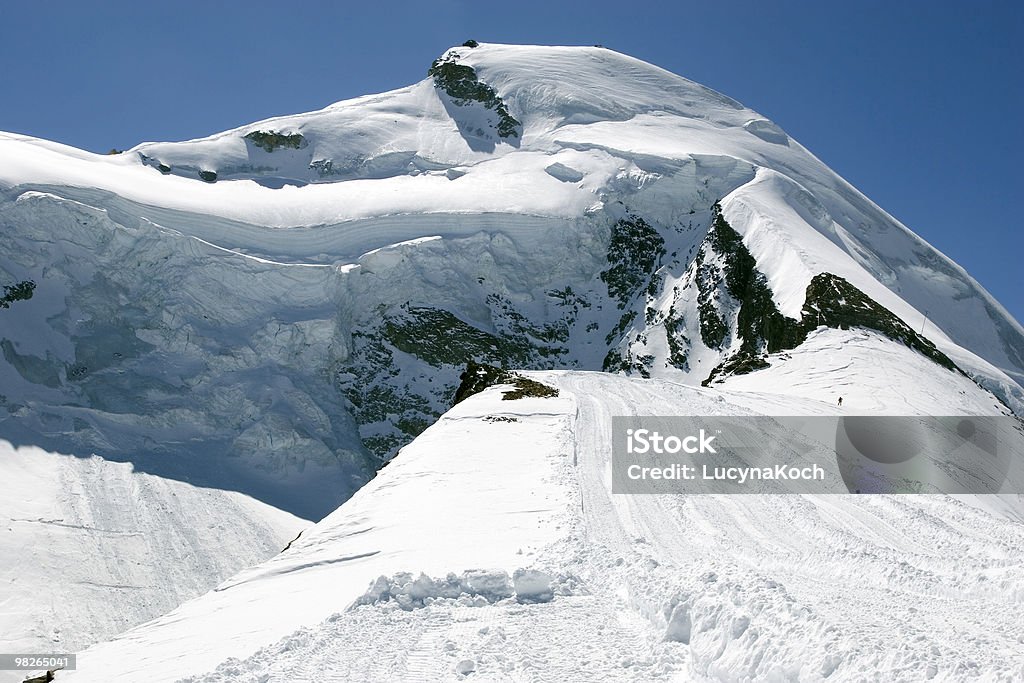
(399, 521)
(667, 587)
(872, 375)
(89, 547)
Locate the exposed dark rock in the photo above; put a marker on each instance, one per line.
(460, 82)
(830, 301)
(480, 376)
(21, 291)
(271, 140)
(477, 377)
(634, 251)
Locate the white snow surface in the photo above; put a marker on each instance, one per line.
(669, 587)
(402, 520)
(90, 548)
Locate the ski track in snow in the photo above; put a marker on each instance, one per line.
(574, 638)
(843, 575)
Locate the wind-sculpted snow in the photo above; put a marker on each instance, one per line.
(338, 243)
(142, 345)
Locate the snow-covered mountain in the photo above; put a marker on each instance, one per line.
(269, 314)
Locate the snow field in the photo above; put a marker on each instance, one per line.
(647, 587)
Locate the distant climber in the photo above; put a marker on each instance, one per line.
(840, 401)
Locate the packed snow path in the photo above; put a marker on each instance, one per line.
(650, 587)
(801, 587)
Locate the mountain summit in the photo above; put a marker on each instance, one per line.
(276, 310)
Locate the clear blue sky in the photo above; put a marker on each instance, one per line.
(918, 103)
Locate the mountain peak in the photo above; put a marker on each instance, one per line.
(574, 135)
(581, 84)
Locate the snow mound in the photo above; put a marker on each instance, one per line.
(534, 585)
(767, 131)
(471, 588)
(564, 173)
